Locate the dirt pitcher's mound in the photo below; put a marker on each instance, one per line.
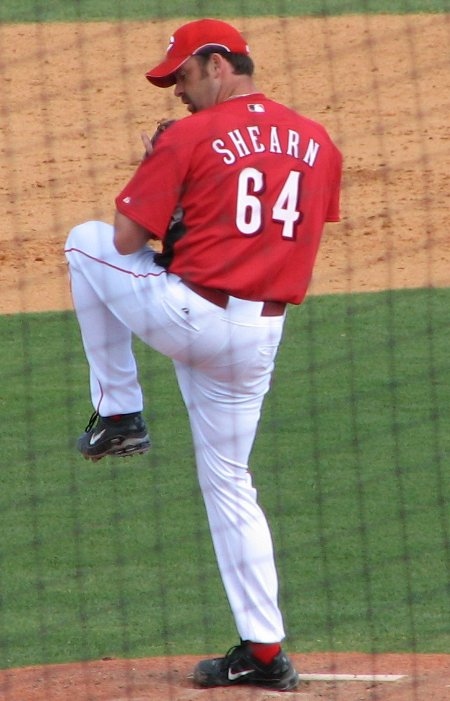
(75, 99)
(423, 678)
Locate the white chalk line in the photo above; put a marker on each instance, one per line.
(351, 677)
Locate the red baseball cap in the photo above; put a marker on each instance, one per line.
(194, 38)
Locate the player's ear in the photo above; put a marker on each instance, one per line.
(217, 63)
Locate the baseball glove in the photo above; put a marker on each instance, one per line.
(162, 125)
(151, 141)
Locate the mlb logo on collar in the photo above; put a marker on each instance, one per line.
(256, 107)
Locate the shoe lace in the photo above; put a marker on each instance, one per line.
(236, 650)
(92, 420)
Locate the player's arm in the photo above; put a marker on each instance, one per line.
(128, 235)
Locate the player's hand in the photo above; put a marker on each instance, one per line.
(148, 145)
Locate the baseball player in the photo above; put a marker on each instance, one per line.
(238, 191)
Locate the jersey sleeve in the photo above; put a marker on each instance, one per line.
(151, 196)
(333, 210)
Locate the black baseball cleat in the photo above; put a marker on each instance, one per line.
(122, 436)
(240, 666)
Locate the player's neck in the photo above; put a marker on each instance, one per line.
(237, 86)
(244, 94)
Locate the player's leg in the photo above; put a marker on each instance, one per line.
(141, 296)
(224, 417)
(116, 427)
(107, 343)
(224, 404)
(115, 296)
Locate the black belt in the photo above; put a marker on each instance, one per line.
(220, 299)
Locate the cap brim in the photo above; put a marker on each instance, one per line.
(163, 75)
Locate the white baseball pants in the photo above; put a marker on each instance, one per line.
(223, 360)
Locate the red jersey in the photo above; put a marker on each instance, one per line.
(256, 181)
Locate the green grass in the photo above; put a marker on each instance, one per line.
(64, 10)
(351, 463)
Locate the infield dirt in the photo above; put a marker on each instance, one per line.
(75, 99)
